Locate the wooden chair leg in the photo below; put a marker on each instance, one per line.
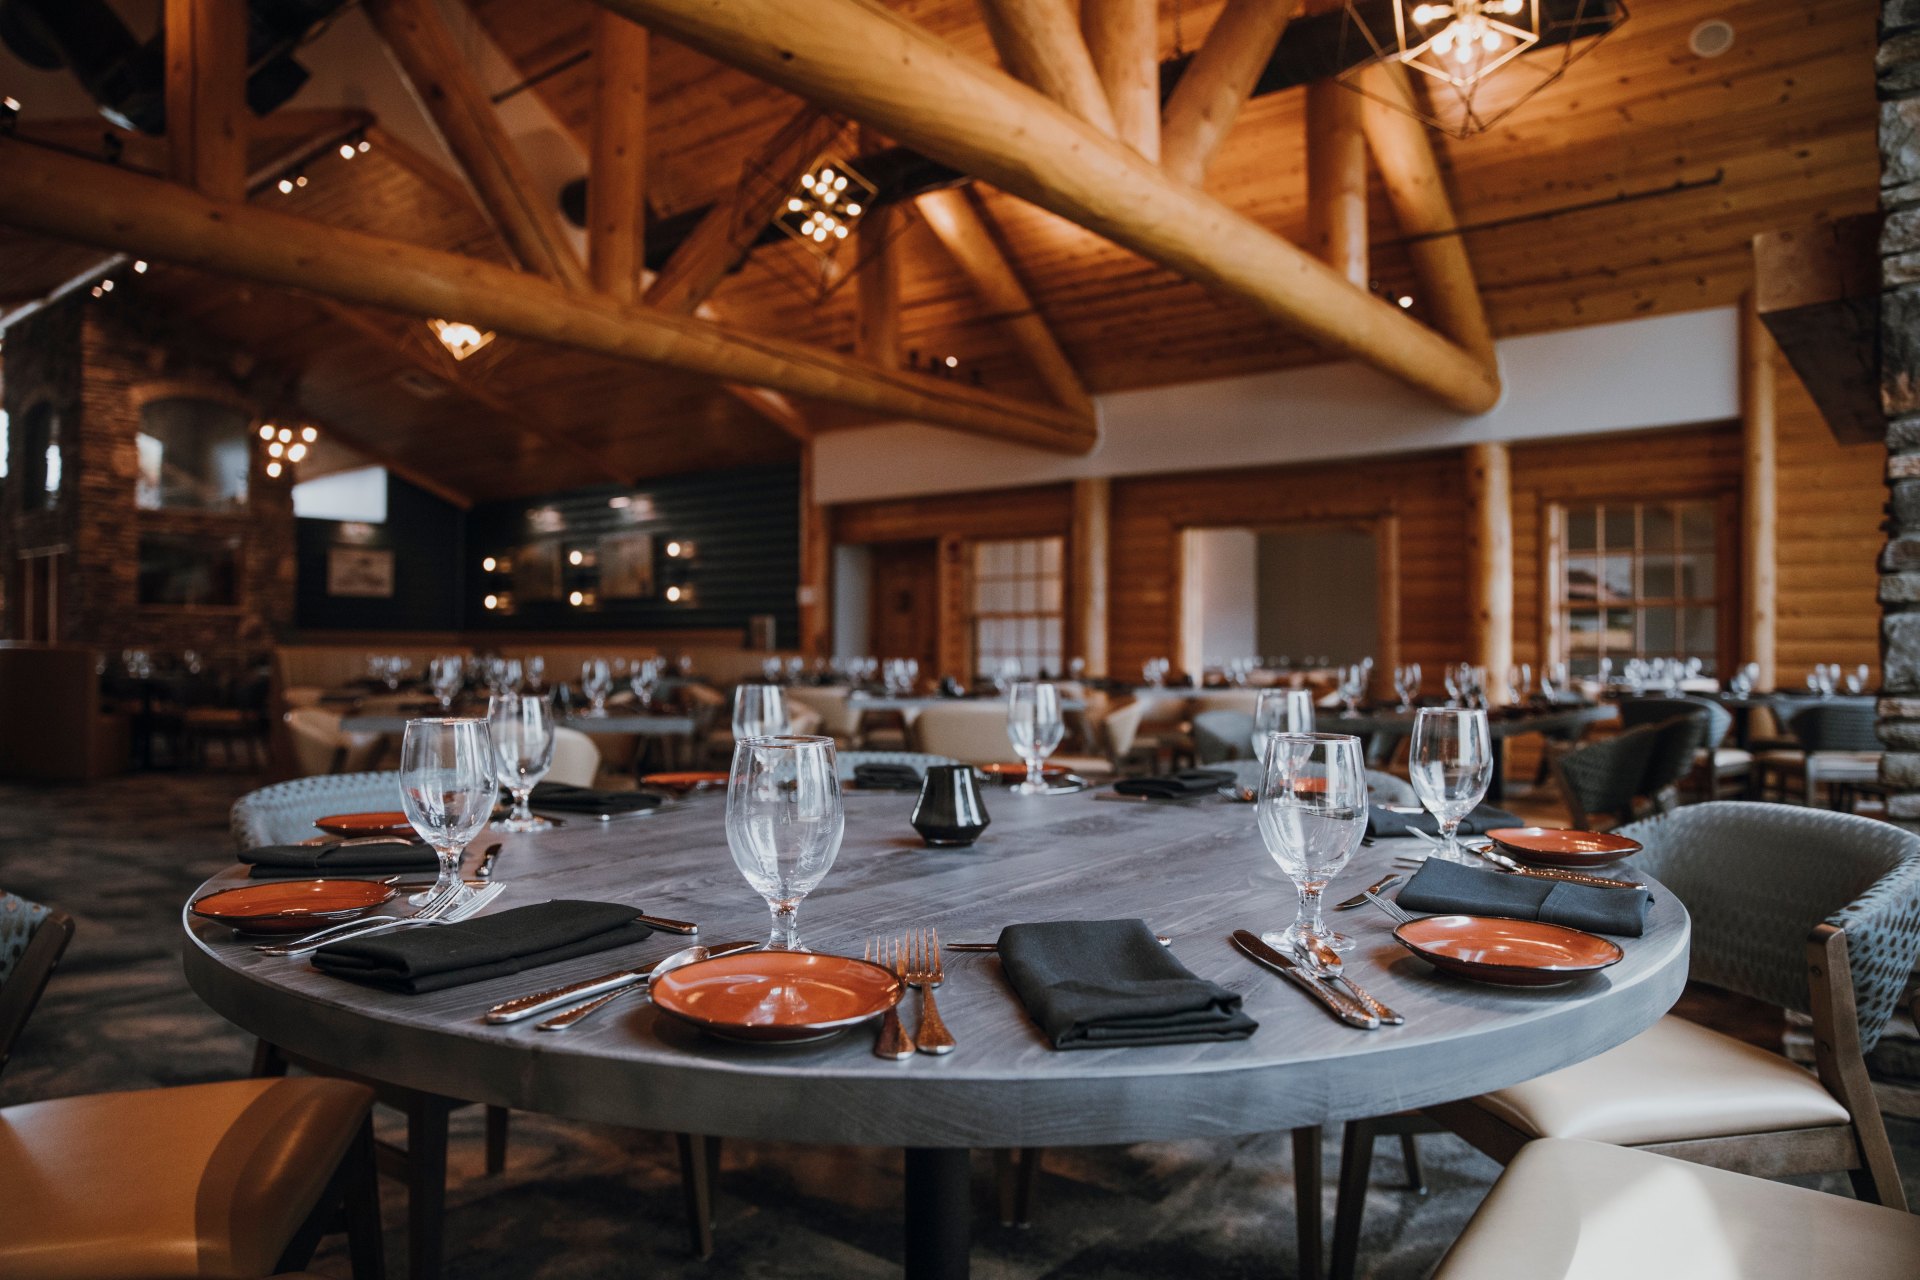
(1306, 1199)
(366, 1244)
(1013, 1169)
(426, 1186)
(1410, 1157)
(1356, 1161)
(496, 1139)
(699, 1157)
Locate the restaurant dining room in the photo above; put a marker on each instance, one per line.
(1034, 639)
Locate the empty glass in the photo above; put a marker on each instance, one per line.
(596, 681)
(644, 680)
(522, 729)
(1451, 764)
(759, 711)
(1519, 683)
(1280, 711)
(445, 673)
(1313, 814)
(1857, 681)
(536, 670)
(1406, 684)
(1035, 727)
(784, 823)
(448, 783)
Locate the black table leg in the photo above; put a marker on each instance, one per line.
(1497, 787)
(939, 1212)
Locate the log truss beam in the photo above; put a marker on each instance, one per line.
(206, 92)
(1123, 36)
(617, 172)
(1218, 82)
(1040, 44)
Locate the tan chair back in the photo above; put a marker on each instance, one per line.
(1121, 727)
(319, 745)
(576, 760)
(971, 732)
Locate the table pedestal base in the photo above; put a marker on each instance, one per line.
(939, 1212)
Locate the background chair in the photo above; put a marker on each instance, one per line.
(576, 758)
(971, 732)
(1222, 734)
(284, 812)
(1838, 743)
(231, 1180)
(1611, 778)
(1715, 763)
(320, 746)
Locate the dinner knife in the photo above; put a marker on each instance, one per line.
(541, 1001)
(1339, 1004)
(1160, 938)
(1381, 885)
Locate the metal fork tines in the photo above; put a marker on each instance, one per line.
(438, 902)
(442, 909)
(1393, 909)
(894, 1042)
(925, 971)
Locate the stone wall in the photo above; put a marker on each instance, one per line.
(1899, 86)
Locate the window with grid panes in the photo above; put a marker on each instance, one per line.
(1018, 604)
(1637, 580)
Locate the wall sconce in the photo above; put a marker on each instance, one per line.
(498, 602)
(460, 338)
(489, 565)
(680, 593)
(582, 558)
(582, 599)
(680, 549)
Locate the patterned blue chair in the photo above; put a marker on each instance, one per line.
(284, 812)
(848, 761)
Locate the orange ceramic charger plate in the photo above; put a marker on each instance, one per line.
(692, 780)
(386, 823)
(292, 906)
(1515, 953)
(1550, 847)
(776, 997)
(1016, 771)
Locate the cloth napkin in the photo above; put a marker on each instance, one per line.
(1383, 823)
(563, 798)
(1176, 786)
(1440, 886)
(1104, 984)
(435, 957)
(296, 861)
(886, 777)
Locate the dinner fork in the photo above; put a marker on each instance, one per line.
(437, 902)
(925, 971)
(443, 911)
(894, 1042)
(1393, 909)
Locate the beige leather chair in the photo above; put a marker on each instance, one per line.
(1571, 1210)
(576, 760)
(837, 719)
(319, 745)
(1121, 729)
(972, 732)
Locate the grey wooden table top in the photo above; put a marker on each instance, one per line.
(1194, 871)
(612, 722)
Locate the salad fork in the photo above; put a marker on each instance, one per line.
(440, 911)
(894, 1042)
(923, 969)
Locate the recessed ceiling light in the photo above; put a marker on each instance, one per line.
(1711, 38)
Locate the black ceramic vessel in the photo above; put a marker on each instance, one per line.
(950, 811)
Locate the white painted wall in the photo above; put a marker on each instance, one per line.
(852, 600)
(1663, 371)
(1221, 597)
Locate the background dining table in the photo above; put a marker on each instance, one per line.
(1385, 727)
(1195, 870)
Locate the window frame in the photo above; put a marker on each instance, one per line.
(975, 615)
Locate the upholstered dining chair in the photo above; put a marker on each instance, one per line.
(971, 732)
(229, 1181)
(1609, 778)
(1837, 742)
(576, 758)
(1814, 912)
(321, 746)
(1715, 763)
(1222, 734)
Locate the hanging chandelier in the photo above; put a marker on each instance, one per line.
(1477, 60)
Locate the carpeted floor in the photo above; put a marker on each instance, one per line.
(580, 1202)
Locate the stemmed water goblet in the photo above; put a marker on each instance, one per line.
(1312, 812)
(644, 680)
(784, 822)
(1451, 765)
(449, 780)
(596, 681)
(1280, 711)
(1519, 683)
(1035, 727)
(536, 672)
(521, 725)
(1857, 680)
(1406, 684)
(759, 711)
(445, 673)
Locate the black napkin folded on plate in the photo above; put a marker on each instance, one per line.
(560, 797)
(1441, 887)
(298, 861)
(1384, 823)
(1176, 786)
(435, 957)
(886, 777)
(1106, 984)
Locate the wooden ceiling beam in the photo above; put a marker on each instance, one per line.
(617, 172)
(91, 203)
(206, 93)
(1337, 179)
(1217, 83)
(429, 60)
(1040, 44)
(1403, 152)
(1123, 37)
(962, 229)
(886, 71)
(727, 234)
(876, 332)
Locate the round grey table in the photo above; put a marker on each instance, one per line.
(612, 722)
(1196, 871)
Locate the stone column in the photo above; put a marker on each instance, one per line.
(1899, 84)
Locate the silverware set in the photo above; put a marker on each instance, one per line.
(591, 995)
(915, 959)
(1312, 981)
(445, 907)
(1486, 852)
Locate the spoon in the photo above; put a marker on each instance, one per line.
(1326, 961)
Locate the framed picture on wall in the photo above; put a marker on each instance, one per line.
(362, 572)
(626, 566)
(536, 571)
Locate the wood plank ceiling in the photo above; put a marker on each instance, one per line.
(1780, 129)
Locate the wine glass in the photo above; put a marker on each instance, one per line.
(1857, 682)
(645, 680)
(448, 783)
(1406, 684)
(1451, 763)
(596, 681)
(445, 673)
(536, 669)
(1519, 683)
(759, 711)
(1280, 711)
(1035, 727)
(522, 728)
(784, 822)
(1312, 814)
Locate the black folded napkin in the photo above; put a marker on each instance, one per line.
(294, 861)
(1440, 887)
(1176, 786)
(1105, 984)
(435, 957)
(886, 777)
(563, 798)
(1384, 823)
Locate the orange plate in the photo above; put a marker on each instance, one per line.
(1016, 771)
(1514, 953)
(683, 782)
(1550, 847)
(776, 997)
(390, 823)
(292, 906)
